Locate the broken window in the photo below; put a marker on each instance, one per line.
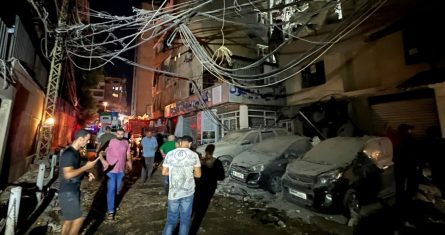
(302, 18)
(313, 75)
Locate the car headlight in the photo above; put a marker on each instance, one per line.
(257, 168)
(329, 177)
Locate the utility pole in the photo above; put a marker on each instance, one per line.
(48, 119)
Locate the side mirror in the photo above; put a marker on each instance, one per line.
(245, 142)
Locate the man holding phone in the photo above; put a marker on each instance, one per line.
(118, 156)
(71, 176)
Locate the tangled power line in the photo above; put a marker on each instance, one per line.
(173, 23)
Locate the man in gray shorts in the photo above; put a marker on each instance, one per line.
(71, 174)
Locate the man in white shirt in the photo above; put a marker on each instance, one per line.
(182, 165)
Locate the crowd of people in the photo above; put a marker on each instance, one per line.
(189, 178)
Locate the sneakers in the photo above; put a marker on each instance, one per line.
(110, 216)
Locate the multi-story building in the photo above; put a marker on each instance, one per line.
(384, 72)
(98, 94)
(364, 70)
(22, 95)
(204, 105)
(115, 94)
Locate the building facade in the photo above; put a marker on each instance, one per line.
(115, 94)
(366, 75)
(383, 70)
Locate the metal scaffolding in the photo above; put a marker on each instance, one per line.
(47, 121)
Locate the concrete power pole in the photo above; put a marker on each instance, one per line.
(47, 121)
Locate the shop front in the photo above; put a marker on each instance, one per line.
(223, 108)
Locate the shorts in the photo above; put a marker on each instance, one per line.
(70, 204)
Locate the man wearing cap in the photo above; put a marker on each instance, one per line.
(117, 155)
(182, 165)
(71, 174)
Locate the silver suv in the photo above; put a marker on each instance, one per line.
(235, 142)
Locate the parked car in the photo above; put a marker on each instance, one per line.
(265, 163)
(238, 141)
(341, 174)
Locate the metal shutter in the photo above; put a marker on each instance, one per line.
(421, 113)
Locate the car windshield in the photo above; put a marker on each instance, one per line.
(335, 151)
(233, 137)
(274, 146)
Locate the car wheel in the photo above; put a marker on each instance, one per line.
(351, 202)
(274, 183)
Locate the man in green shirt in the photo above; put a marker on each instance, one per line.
(168, 146)
(165, 148)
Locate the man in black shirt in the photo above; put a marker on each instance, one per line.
(71, 174)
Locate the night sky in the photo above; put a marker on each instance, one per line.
(119, 69)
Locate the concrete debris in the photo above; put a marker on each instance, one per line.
(143, 211)
(281, 224)
(54, 228)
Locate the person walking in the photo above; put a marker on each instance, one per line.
(182, 165)
(104, 139)
(405, 154)
(117, 155)
(71, 175)
(149, 147)
(164, 149)
(212, 172)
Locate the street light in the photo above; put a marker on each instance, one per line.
(105, 105)
(49, 122)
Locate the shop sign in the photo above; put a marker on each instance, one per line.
(188, 105)
(261, 96)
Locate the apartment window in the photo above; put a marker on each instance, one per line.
(313, 75)
(208, 79)
(262, 51)
(98, 93)
(240, 63)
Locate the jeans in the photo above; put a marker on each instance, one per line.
(147, 168)
(179, 209)
(114, 183)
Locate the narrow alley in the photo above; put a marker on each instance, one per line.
(143, 211)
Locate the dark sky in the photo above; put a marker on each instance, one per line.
(119, 69)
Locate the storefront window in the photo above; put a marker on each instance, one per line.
(256, 122)
(261, 118)
(230, 121)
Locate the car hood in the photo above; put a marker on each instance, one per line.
(302, 167)
(251, 158)
(222, 148)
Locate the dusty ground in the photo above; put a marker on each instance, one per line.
(143, 211)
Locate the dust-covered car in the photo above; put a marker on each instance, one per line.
(263, 165)
(341, 173)
(238, 141)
